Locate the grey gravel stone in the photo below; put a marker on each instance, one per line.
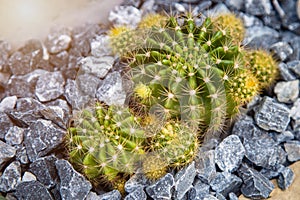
(74, 95)
(205, 166)
(258, 7)
(21, 155)
(72, 184)
(111, 90)
(14, 135)
(45, 171)
(125, 15)
(42, 137)
(100, 46)
(260, 36)
(225, 182)
(294, 66)
(162, 188)
(5, 124)
(184, 179)
(219, 8)
(88, 84)
(27, 176)
(237, 4)
(113, 195)
(92, 196)
(271, 173)
(210, 197)
(137, 194)
(295, 110)
(292, 149)
(262, 151)
(286, 178)
(199, 191)
(136, 181)
(282, 50)
(8, 103)
(250, 20)
(255, 185)
(229, 153)
(285, 72)
(287, 91)
(98, 67)
(6, 153)
(32, 190)
(49, 86)
(10, 177)
(232, 196)
(283, 136)
(58, 40)
(59, 60)
(272, 116)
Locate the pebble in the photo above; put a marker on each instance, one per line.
(58, 40)
(225, 182)
(295, 114)
(125, 15)
(5, 124)
(250, 20)
(236, 4)
(162, 188)
(6, 153)
(98, 67)
(21, 155)
(138, 180)
(255, 185)
(100, 46)
(137, 194)
(10, 177)
(111, 90)
(42, 137)
(8, 103)
(258, 7)
(184, 179)
(27, 176)
(72, 184)
(282, 50)
(294, 66)
(210, 197)
(88, 84)
(293, 150)
(283, 136)
(14, 135)
(272, 116)
(28, 190)
(45, 171)
(286, 178)
(229, 153)
(232, 196)
(260, 37)
(287, 91)
(112, 195)
(49, 86)
(198, 191)
(59, 60)
(205, 166)
(285, 73)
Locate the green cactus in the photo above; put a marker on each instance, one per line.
(106, 141)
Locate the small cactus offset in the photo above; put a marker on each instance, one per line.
(106, 142)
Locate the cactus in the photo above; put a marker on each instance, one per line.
(106, 142)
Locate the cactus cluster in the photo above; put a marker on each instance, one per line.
(189, 78)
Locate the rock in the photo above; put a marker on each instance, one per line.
(72, 184)
(272, 116)
(255, 185)
(260, 37)
(26, 111)
(285, 73)
(292, 149)
(6, 153)
(27, 176)
(205, 166)
(10, 177)
(272, 20)
(111, 90)
(88, 84)
(8, 103)
(184, 179)
(49, 86)
(98, 67)
(100, 46)
(42, 137)
(294, 66)
(136, 181)
(59, 60)
(295, 43)
(137, 194)
(250, 20)
(21, 155)
(271, 173)
(210, 197)
(162, 188)
(113, 195)
(32, 190)
(283, 136)
(229, 153)
(92, 196)
(58, 40)
(5, 124)
(45, 171)
(125, 15)
(26, 59)
(258, 7)
(218, 9)
(287, 91)
(295, 110)
(74, 95)
(14, 135)
(199, 191)
(179, 7)
(262, 151)
(236, 4)
(286, 177)
(225, 182)
(232, 196)
(282, 50)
